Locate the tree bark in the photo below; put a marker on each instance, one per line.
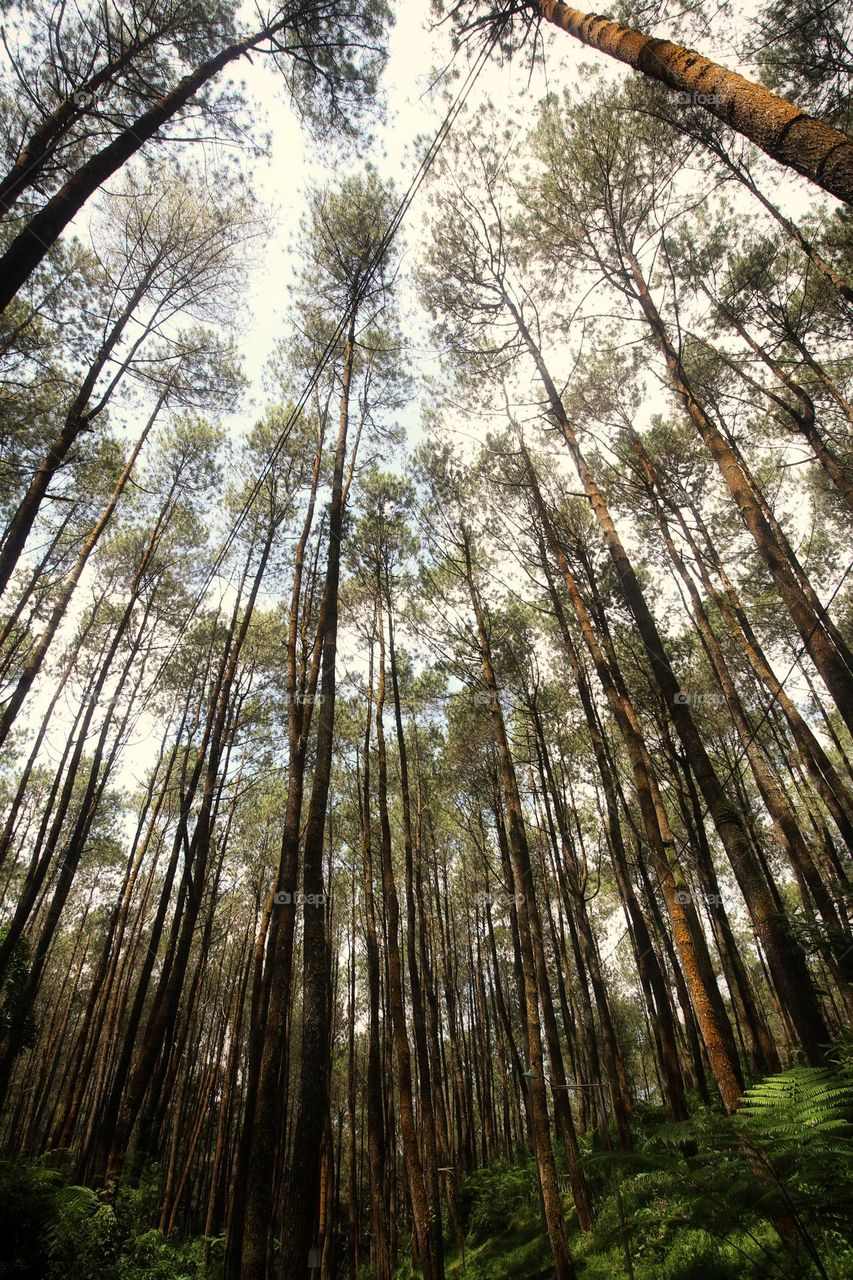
(525, 899)
(301, 1209)
(820, 639)
(782, 130)
(33, 243)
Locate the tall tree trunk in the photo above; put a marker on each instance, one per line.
(250, 1224)
(830, 654)
(782, 130)
(689, 939)
(36, 656)
(418, 1192)
(790, 972)
(376, 1142)
(430, 1158)
(44, 228)
(78, 419)
(525, 898)
(300, 1219)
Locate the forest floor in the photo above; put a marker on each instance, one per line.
(521, 1252)
(762, 1195)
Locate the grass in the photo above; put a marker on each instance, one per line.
(521, 1252)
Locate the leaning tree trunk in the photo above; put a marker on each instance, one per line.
(36, 657)
(651, 975)
(32, 244)
(829, 785)
(692, 949)
(29, 164)
(783, 130)
(790, 973)
(78, 419)
(820, 638)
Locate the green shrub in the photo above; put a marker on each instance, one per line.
(26, 1205)
(154, 1257)
(493, 1197)
(51, 1230)
(696, 1255)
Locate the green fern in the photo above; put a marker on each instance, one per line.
(799, 1124)
(784, 1160)
(800, 1102)
(71, 1204)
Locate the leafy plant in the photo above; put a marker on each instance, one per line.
(52, 1230)
(491, 1198)
(777, 1177)
(26, 1198)
(798, 1126)
(83, 1237)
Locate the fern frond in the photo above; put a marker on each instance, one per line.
(70, 1202)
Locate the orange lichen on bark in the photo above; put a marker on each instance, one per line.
(782, 129)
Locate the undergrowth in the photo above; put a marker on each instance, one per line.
(765, 1194)
(762, 1195)
(53, 1230)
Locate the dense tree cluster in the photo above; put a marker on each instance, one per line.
(379, 810)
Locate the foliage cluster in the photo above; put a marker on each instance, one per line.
(764, 1193)
(495, 1196)
(53, 1230)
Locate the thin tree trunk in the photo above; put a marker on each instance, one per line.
(687, 932)
(790, 972)
(418, 1193)
(524, 893)
(77, 420)
(830, 654)
(36, 656)
(415, 985)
